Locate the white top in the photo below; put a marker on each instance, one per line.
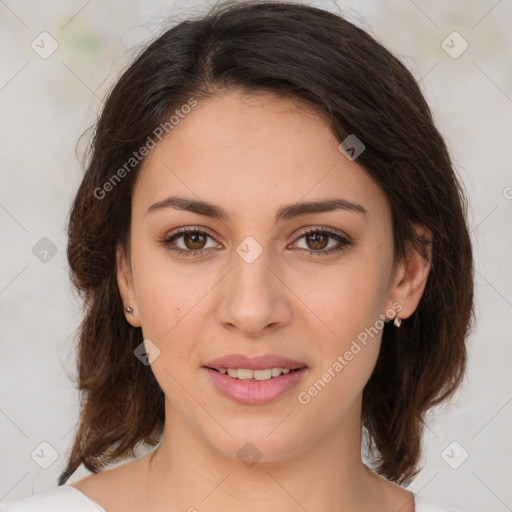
(67, 498)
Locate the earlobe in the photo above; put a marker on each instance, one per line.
(412, 274)
(126, 288)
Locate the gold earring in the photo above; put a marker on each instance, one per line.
(397, 321)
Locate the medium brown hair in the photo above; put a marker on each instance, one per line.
(302, 52)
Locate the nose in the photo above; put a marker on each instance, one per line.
(255, 297)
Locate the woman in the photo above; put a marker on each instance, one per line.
(272, 248)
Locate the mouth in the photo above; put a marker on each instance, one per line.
(253, 362)
(251, 375)
(254, 380)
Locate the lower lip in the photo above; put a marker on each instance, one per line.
(255, 392)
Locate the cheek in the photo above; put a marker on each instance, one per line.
(168, 298)
(352, 309)
(345, 358)
(354, 296)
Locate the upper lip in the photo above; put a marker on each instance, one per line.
(261, 362)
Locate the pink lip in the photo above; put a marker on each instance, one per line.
(255, 392)
(254, 363)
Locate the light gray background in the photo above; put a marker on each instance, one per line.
(47, 103)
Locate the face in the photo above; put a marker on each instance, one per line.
(304, 288)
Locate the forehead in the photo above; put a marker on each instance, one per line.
(254, 153)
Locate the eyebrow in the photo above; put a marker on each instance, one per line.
(284, 213)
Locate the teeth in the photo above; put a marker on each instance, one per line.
(261, 374)
(245, 374)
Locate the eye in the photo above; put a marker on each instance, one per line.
(194, 241)
(316, 240)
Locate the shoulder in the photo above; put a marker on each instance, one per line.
(422, 505)
(60, 499)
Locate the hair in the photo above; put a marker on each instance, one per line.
(327, 63)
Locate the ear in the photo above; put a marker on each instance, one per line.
(411, 275)
(126, 288)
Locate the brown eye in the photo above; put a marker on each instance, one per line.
(188, 242)
(317, 240)
(194, 241)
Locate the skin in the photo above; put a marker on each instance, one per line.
(252, 155)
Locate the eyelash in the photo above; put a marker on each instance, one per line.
(343, 241)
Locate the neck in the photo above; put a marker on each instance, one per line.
(188, 473)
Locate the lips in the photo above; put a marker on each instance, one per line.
(261, 362)
(255, 391)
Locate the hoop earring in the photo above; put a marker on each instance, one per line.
(128, 309)
(397, 321)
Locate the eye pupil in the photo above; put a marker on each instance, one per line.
(194, 237)
(314, 238)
